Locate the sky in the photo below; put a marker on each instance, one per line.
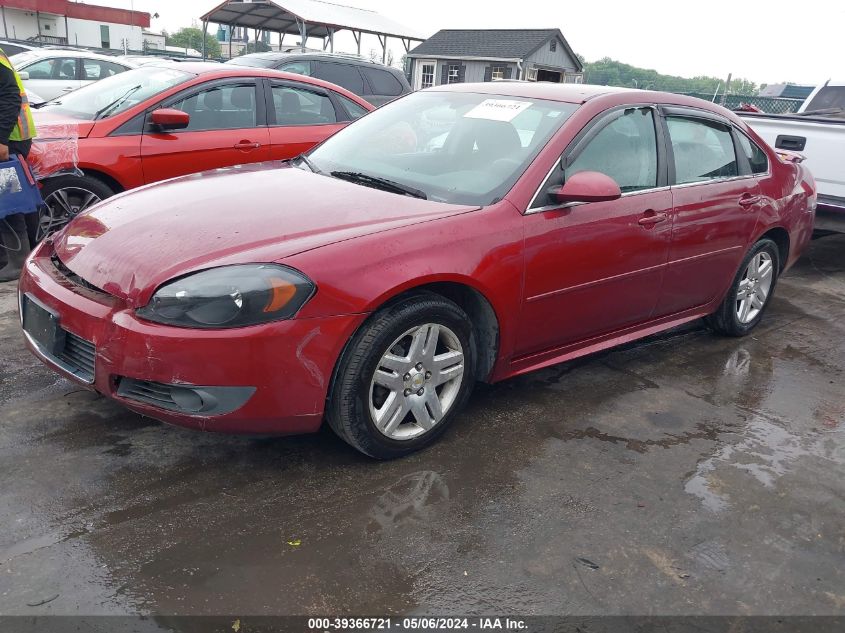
(766, 41)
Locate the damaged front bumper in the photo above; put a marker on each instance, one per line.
(270, 378)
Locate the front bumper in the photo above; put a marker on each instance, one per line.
(277, 374)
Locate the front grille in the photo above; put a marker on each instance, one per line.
(148, 392)
(73, 277)
(78, 354)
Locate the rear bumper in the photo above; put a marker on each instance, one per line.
(830, 214)
(283, 368)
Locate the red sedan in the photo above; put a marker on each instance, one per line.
(162, 121)
(462, 233)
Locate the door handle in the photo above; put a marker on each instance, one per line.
(67, 89)
(747, 201)
(793, 143)
(651, 218)
(247, 145)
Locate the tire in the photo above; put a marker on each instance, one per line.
(65, 197)
(728, 319)
(396, 342)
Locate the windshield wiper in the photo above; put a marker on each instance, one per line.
(104, 111)
(309, 163)
(379, 183)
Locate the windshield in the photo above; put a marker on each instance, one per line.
(115, 94)
(828, 98)
(461, 148)
(255, 62)
(22, 58)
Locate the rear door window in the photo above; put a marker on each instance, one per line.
(298, 106)
(344, 75)
(703, 150)
(94, 69)
(383, 82)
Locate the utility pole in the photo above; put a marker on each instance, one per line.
(727, 87)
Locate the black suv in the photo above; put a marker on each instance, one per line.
(375, 82)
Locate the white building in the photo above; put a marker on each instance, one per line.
(72, 23)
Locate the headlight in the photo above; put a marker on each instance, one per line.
(230, 296)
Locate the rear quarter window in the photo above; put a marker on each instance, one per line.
(383, 82)
(756, 157)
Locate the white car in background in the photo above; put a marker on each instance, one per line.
(817, 131)
(53, 72)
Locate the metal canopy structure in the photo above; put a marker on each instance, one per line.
(309, 18)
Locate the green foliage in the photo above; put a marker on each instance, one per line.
(256, 47)
(608, 72)
(191, 37)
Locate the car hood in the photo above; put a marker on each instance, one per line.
(132, 243)
(52, 126)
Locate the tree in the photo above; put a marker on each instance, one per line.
(256, 47)
(609, 72)
(191, 37)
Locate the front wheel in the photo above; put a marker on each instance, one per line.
(750, 292)
(404, 377)
(64, 198)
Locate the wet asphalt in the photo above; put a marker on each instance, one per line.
(683, 474)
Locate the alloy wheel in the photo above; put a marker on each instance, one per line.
(62, 206)
(754, 287)
(416, 381)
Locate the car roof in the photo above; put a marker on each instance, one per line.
(211, 70)
(340, 57)
(568, 93)
(66, 52)
(578, 93)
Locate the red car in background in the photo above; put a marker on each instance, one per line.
(168, 120)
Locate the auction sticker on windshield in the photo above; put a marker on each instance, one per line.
(498, 109)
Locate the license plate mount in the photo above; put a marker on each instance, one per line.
(42, 325)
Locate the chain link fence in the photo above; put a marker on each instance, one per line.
(772, 105)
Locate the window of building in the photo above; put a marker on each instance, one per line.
(296, 106)
(105, 41)
(756, 156)
(625, 149)
(427, 75)
(498, 73)
(454, 75)
(553, 46)
(703, 150)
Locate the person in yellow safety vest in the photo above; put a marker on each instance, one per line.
(17, 130)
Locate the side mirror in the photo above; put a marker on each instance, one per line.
(24, 75)
(170, 119)
(586, 186)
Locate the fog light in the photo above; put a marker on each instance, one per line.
(187, 399)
